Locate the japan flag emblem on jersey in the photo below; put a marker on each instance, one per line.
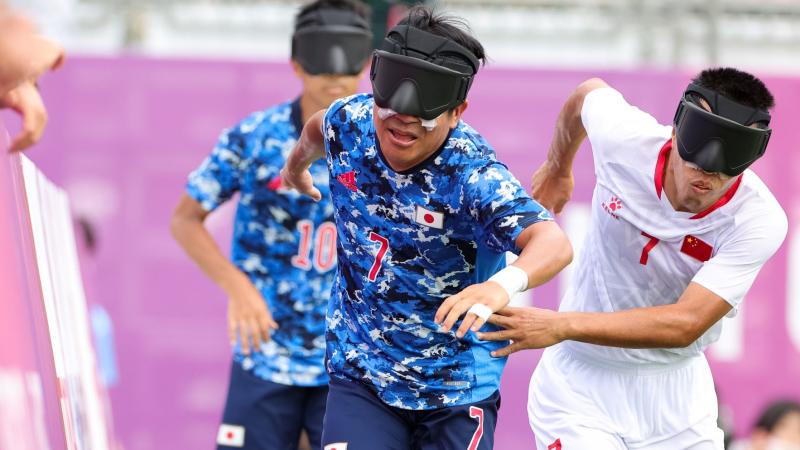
(429, 218)
(337, 446)
(230, 435)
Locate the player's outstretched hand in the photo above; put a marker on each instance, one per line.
(552, 187)
(249, 319)
(526, 327)
(302, 182)
(25, 100)
(487, 296)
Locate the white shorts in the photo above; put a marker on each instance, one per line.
(575, 403)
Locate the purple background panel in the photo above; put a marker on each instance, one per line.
(124, 133)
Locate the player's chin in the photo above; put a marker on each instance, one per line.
(331, 95)
(693, 202)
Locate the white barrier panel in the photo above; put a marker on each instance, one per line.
(82, 396)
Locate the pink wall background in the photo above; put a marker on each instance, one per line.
(124, 133)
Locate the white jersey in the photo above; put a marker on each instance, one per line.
(640, 252)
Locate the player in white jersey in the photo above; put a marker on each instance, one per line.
(679, 230)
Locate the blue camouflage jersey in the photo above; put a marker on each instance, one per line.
(407, 241)
(285, 242)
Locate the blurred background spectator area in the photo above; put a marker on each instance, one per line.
(541, 33)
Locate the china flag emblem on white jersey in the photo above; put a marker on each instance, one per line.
(230, 435)
(428, 218)
(696, 248)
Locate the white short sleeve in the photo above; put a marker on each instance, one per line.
(616, 129)
(732, 271)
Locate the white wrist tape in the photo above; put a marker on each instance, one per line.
(513, 279)
(481, 310)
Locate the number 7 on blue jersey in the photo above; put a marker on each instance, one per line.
(378, 262)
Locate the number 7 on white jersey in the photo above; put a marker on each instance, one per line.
(647, 248)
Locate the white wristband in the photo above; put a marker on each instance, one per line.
(513, 279)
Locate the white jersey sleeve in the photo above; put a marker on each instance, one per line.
(616, 129)
(755, 237)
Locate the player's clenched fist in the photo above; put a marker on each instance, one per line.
(310, 147)
(477, 302)
(249, 320)
(552, 186)
(526, 327)
(301, 181)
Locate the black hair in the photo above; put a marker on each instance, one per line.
(454, 28)
(738, 86)
(774, 413)
(357, 6)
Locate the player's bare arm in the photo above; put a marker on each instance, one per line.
(545, 251)
(666, 326)
(310, 147)
(552, 183)
(249, 319)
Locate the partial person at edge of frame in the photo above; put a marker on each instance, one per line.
(24, 56)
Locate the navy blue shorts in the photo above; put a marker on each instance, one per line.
(356, 419)
(262, 415)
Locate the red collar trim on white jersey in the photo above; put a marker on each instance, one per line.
(659, 180)
(662, 161)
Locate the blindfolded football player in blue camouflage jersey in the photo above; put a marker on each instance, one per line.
(425, 214)
(284, 244)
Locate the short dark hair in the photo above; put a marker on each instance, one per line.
(738, 86)
(356, 6)
(774, 413)
(455, 28)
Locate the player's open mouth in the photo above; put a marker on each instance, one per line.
(400, 138)
(700, 188)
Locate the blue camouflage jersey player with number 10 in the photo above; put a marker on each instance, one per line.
(284, 244)
(425, 214)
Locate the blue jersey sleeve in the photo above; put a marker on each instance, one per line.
(220, 175)
(345, 120)
(501, 206)
(333, 119)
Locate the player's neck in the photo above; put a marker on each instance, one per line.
(308, 107)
